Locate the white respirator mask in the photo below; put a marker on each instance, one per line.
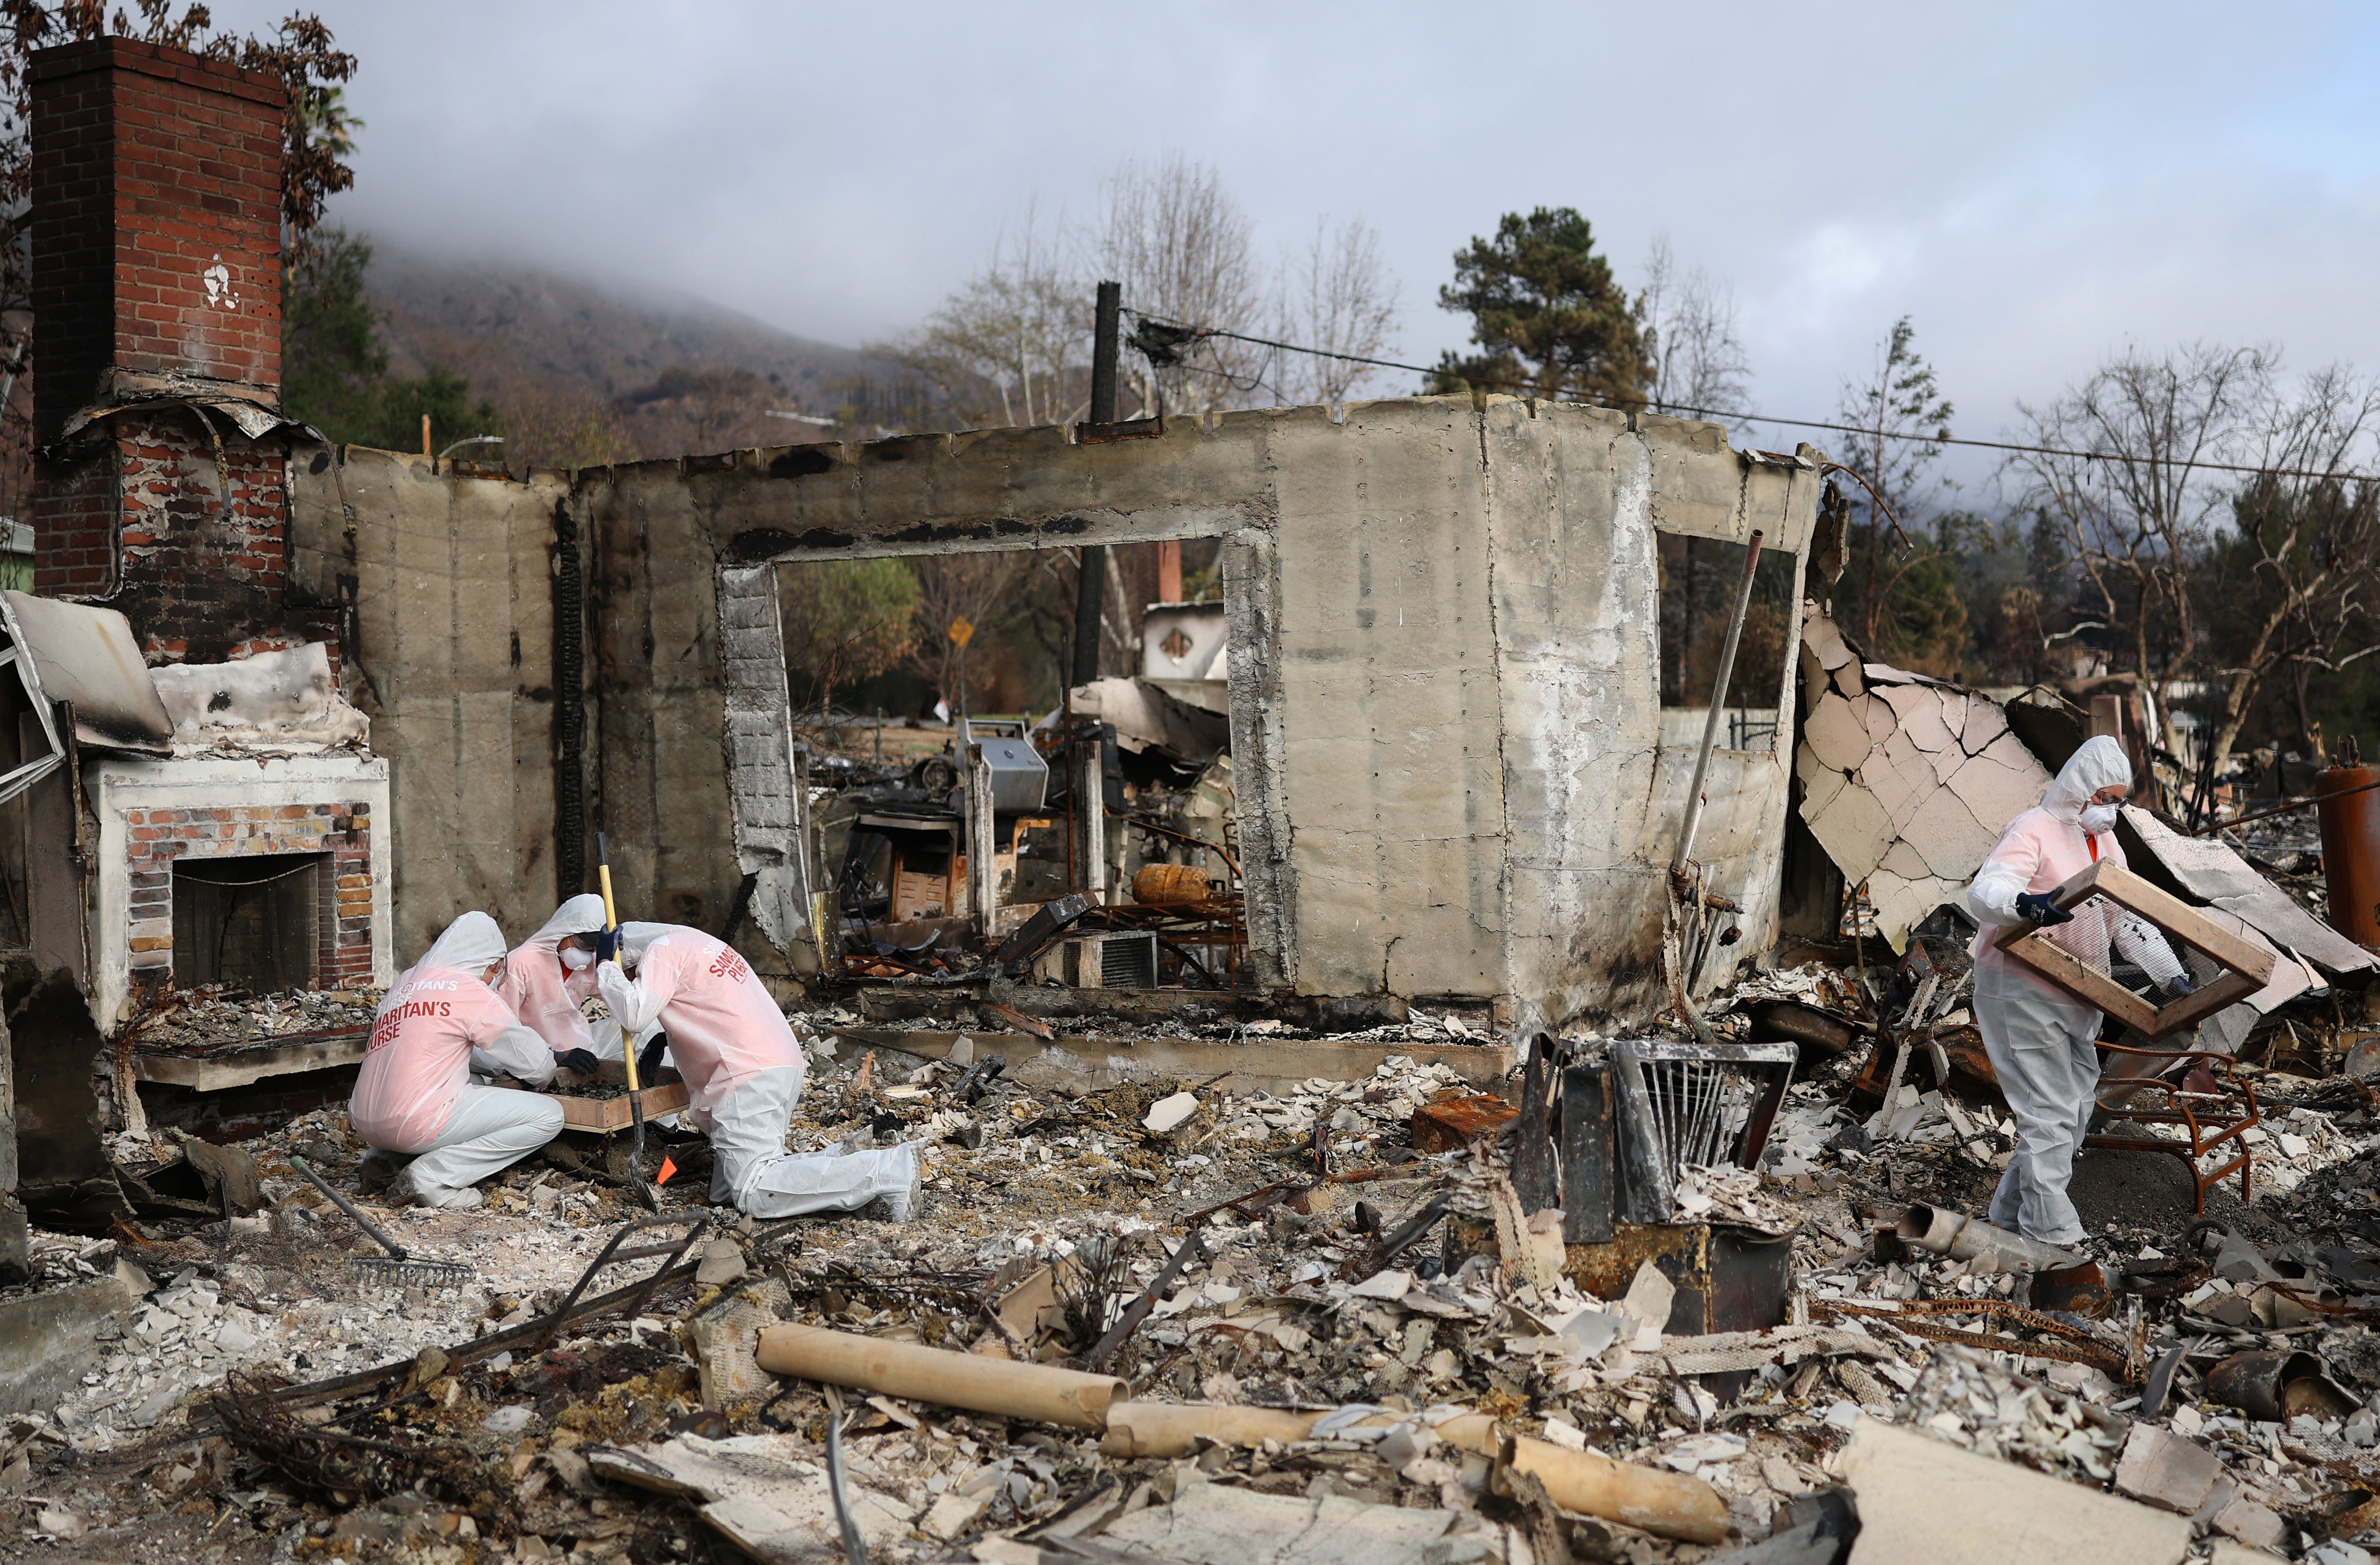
(578, 961)
(2098, 817)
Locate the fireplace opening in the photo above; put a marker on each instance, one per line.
(249, 921)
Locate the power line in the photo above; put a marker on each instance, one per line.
(1738, 415)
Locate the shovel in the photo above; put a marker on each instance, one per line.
(627, 1045)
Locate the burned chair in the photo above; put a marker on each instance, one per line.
(2214, 1107)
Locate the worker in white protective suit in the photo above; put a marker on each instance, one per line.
(744, 1068)
(2043, 1042)
(549, 987)
(440, 1026)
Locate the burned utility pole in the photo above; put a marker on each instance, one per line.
(1092, 559)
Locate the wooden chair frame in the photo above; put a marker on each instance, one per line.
(2248, 967)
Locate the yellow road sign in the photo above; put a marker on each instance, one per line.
(962, 631)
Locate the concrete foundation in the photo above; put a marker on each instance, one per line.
(49, 1339)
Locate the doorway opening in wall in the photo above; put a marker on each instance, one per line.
(249, 922)
(904, 672)
(1700, 577)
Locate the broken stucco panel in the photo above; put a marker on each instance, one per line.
(762, 786)
(2205, 870)
(1906, 782)
(283, 697)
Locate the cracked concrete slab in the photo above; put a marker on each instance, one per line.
(1908, 784)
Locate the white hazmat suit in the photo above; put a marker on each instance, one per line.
(439, 1026)
(2043, 1042)
(744, 1068)
(548, 994)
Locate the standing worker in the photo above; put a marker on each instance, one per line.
(546, 986)
(743, 1069)
(440, 1023)
(2042, 1041)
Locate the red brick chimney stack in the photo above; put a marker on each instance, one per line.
(156, 284)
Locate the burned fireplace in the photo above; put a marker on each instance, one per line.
(266, 875)
(253, 921)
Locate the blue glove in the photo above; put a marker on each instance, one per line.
(2179, 987)
(607, 945)
(2037, 906)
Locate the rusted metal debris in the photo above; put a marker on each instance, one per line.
(2073, 1345)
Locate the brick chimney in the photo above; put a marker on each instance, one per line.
(156, 289)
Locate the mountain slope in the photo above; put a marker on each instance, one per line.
(520, 330)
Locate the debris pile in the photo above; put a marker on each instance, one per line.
(220, 1017)
(1340, 1320)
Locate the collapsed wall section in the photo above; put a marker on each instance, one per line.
(762, 779)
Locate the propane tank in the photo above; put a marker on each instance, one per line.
(2351, 848)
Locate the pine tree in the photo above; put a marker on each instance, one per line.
(1547, 313)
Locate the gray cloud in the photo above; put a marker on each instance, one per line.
(2035, 184)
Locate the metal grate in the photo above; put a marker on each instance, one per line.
(1684, 1104)
(1128, 962)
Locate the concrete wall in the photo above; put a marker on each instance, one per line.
(1446, 725)
(1446, 728)
(451, 655)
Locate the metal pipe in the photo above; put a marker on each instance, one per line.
(1717, 706)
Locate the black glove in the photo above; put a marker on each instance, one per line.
(582, 1060)
(2037, 906)
(607, 945)
(648, 1059)
(2178, 988)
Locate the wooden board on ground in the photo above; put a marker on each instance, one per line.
(606, 1114)
(214, 1071)
(2248, 967)
(1255, 1064)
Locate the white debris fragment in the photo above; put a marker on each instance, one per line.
(1167, 1113)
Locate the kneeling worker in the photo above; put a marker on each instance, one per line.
(440, 1023)
(744, 1068)
(545, 984)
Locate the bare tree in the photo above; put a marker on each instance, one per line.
(1909, 607)
(2136, 504)
(1688, 322)
(702, 409)
(1016, 338)
(979, 589)
(1337, 296)
(1185, 254)
(2295, 584)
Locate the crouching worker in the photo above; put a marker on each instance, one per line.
(440, 1023)
(546, 985)
(744, 1069)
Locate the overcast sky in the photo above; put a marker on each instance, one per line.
(2038, 185)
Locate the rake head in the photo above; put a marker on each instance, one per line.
(412, 1273)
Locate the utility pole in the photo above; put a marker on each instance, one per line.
(1091, 573)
